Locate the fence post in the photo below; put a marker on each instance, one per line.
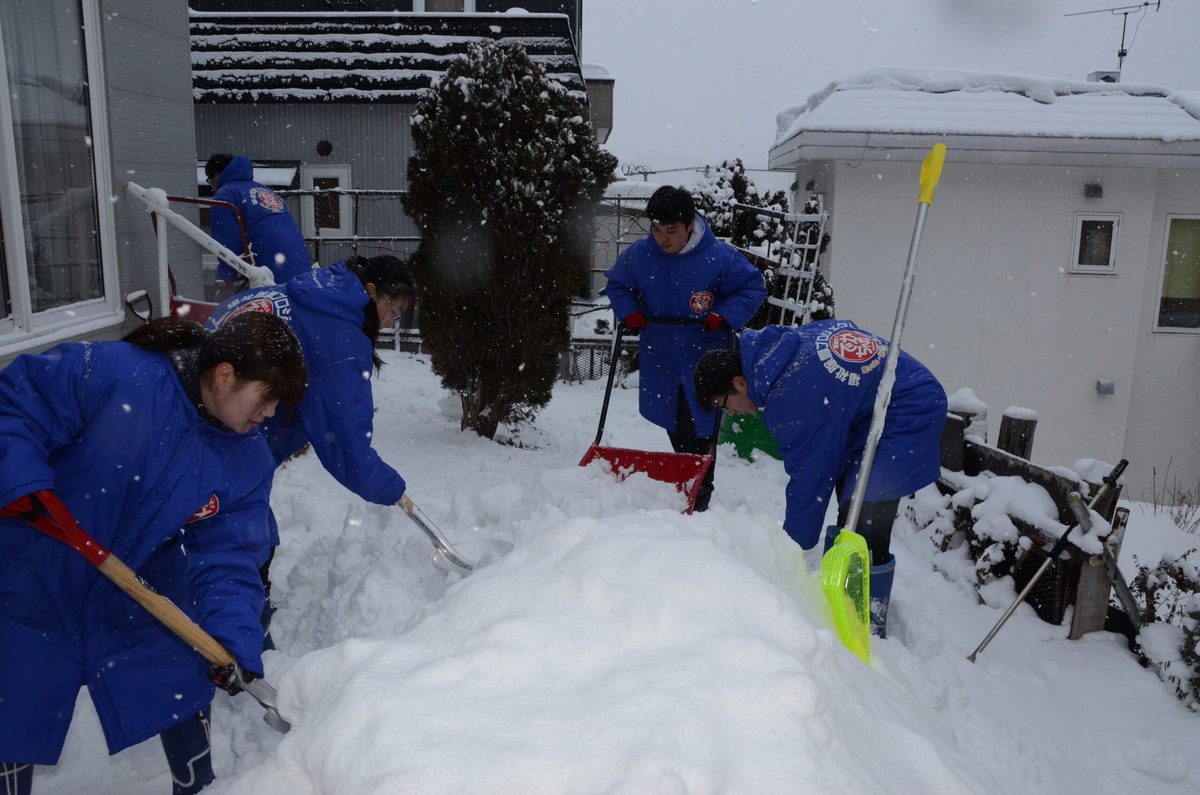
(953, 442)
(1016, 432)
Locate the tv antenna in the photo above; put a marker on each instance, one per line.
(1124, 11)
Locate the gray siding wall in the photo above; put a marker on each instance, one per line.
(375, 140)
(149, 87)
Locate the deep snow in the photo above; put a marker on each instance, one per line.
(624, 647)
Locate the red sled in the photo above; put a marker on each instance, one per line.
(686, 471)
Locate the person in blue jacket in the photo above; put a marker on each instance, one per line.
(816, 387)
(337, 313)
(695, 287)
(149, 443)
(275, 240)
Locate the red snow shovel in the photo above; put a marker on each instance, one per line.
(685, 471)
(46, 513)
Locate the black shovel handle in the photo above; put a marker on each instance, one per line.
(614, 359)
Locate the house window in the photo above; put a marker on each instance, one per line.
(327, 212)
(53, 273)
(1179, 302)
(1095, 249)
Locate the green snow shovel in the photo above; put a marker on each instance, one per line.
(846, 567)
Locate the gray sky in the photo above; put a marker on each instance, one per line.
(700, 81)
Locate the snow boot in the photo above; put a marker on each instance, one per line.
(831, 534)
(189, 755)
(16, 777)
(881, 594)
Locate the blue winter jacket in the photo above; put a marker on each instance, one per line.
(817, 385)
(110, 428)
(710, 277)
(275, 240)
(325, 309)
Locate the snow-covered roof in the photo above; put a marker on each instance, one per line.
(883, 106)
(358, 56)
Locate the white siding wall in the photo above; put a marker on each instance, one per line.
(149, 73)
(1164, 423)
(994, 307)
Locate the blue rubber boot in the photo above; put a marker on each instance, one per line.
(16, 777)
(189, 755)
(831, 534)
(881, 594)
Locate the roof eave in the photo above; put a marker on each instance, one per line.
(815, 145)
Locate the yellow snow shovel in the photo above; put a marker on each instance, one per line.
(845, 571)
(846, 567)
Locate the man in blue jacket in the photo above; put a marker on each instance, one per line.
(275, 240)
(816, 386)
(681, 287)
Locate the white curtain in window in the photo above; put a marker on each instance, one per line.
(47, 83)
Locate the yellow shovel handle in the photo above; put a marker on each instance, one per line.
(931, 172)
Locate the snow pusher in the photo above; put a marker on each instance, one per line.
(685, 471)
(157, 202)
(846, 566)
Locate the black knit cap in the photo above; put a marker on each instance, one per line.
(671, 205)
(714, 374)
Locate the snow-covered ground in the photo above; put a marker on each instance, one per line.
(623, 647)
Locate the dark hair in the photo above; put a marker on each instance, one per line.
(671, 205)
(260, 347)
(714, 374)
(391, 280)
(216, 164)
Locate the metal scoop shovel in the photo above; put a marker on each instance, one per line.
(445, 557)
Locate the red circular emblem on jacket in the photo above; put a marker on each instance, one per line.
(853, 346)
(701, 301)
(267, 198)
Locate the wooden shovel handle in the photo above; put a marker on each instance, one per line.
(165, 611)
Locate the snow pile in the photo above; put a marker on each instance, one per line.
(623, 647)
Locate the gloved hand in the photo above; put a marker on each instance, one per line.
(713, 322)
(405, 503)
(635, 321)
(222, 676)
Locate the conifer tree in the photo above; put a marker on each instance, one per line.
(503, 185)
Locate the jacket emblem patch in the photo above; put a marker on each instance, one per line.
(210, 509)
(848, 354)
(267, 199)
(701, 301)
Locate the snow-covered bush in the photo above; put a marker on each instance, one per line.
(1169, 640)
(764, 236)
(503, 185)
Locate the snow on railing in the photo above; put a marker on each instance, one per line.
(156, 202)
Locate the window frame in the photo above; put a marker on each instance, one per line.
(1162, 276)
(24, 328)
(1076, 239)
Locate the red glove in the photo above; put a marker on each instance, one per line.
(713, 322)
(635, 320)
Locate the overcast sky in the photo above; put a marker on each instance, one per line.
(700, 81)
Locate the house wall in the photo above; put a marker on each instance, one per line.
(1164, 421)
(146, 96)
(994, 306)
(149, 74)
(375, 140)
